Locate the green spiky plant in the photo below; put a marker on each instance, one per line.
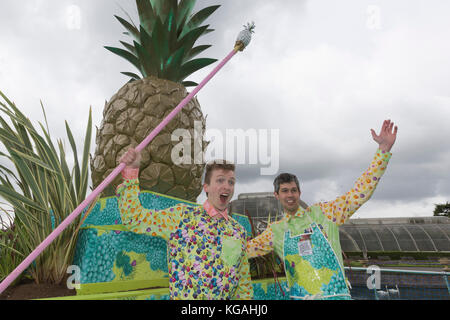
(40, 190)
(163, 50)
(10, 257)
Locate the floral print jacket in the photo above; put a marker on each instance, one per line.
(207, 257)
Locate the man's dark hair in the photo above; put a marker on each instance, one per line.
(284, 178)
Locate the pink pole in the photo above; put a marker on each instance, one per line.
(52, 236)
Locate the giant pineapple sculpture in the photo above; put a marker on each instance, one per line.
(163, 51)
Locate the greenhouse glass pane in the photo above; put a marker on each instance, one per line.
(442, 245)
(263, 208)
(250, 206)
(237, 206)
(445, 228)
(370, 239)
(347, 244)
(404, 239)
(354, 233)
(387, 239)
(438, 236)
(422, 240)
(435, 232)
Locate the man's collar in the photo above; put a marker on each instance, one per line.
(213, 212)
(299, 213)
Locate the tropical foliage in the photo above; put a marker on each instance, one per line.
(40, 189)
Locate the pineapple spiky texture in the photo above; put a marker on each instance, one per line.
(163, 51)
(245, 36)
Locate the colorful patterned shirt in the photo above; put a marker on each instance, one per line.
(207, 257)
(338, 211)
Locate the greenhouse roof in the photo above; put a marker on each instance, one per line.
(396, 234)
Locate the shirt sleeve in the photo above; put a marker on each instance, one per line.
(138, 219)
(261, 245)
(245, 287)
(343, 207)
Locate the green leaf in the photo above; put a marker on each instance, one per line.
(189, 84)
(6, 99)
(172, 36)
(45, 116)
(147, 15)
(173, 65)
(29, 178)
(42, 179)
(10, 248)
(196, 51)
(85, 161)
(35, 160)
(75, 157)
(127, 56)
(7, 170)
(12, 195)
(129, 47)
(11, 138)
(132, 30)
(184, 10)
(159, 46)
(194, 65)
(68, 188)
(148, 66)
(187, 42)
(199, 17)
(131, 75)
(23, 136)
(202, 15)
(165, 8)
(207, 31)
(157, 5)
(48, 151)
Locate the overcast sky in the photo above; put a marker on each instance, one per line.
(323, 73)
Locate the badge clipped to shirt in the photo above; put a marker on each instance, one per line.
(304, 245)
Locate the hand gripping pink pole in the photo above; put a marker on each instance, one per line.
(28, 260)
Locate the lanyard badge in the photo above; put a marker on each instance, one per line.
(304, 245)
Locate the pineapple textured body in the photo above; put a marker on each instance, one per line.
(130, 115)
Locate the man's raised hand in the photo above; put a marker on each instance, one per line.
(387, 135)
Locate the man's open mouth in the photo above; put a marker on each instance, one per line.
(224, 197)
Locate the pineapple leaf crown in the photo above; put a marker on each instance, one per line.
(250, 27)
(163, 45)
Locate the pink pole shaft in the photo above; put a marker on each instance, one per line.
(44, 244)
